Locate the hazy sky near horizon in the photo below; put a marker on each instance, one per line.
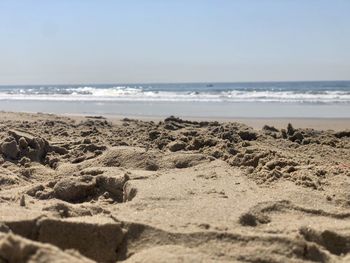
(136, 41)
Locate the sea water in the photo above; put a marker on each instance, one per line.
(325, 99)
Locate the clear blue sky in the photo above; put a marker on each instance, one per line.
(82, 41)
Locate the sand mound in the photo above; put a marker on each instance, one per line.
(74, 189)
(128, 157)
(16, 249)
(139, 158)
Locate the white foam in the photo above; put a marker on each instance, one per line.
(124, 93)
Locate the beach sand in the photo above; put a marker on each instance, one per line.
(85, 189)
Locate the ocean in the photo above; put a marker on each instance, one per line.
(321, 99)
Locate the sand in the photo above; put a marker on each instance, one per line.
(86, 189)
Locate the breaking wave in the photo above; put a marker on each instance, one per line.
(177, 94)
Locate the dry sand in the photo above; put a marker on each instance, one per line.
(86, 189)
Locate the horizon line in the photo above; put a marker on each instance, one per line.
(180, 82)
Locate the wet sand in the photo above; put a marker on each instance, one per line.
(85, 189)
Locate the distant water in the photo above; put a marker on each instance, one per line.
(259, 99)
(286, 92)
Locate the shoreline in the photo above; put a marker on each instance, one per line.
(335, 124)
(202, 110)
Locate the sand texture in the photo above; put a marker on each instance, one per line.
(86, 189)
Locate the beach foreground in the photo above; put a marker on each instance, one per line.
(87, 189)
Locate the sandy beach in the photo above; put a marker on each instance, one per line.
(91, 189)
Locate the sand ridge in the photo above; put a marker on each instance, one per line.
(84, 190)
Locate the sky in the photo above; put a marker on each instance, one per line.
(149, 41)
